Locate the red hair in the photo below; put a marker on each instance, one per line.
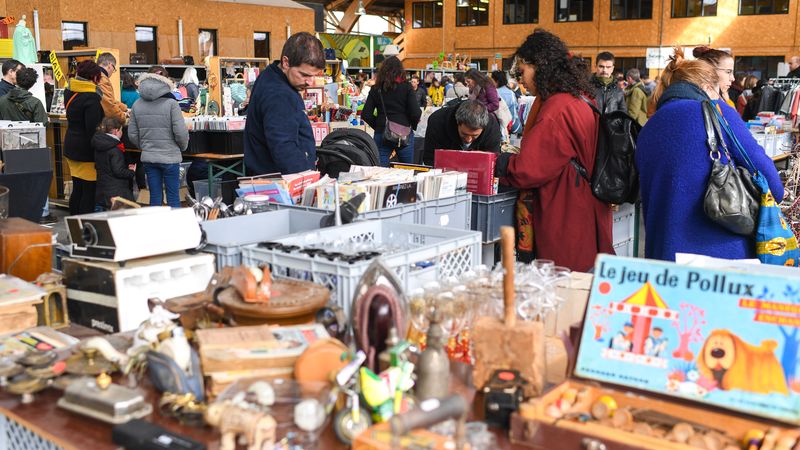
(698, 72)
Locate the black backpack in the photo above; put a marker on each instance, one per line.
(343, 148)
(615, 178)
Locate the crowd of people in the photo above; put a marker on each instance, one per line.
(558, 217)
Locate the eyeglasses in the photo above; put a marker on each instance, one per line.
(725, 71)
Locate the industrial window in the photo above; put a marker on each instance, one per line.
(574, 10)
(147, 43)
(762, 67)
(631, 9)
(207, 40)
(755, 7)
(482, 63)
(261, 44)
(520, 11)
(623, 64)
(694, 8)
(426, 15)
(74, 35)
(474, 14)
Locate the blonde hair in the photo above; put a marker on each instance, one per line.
(698, 72)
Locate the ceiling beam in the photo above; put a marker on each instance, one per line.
(350, 18)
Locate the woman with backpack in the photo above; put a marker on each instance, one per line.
(189, 86)
(674, 162)
(558, 216)
(392, 111)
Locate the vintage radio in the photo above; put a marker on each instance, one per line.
(133, 233)
(25, 248)
(678, 357)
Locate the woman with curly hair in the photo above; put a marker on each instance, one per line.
(558, 217)
(393, 98)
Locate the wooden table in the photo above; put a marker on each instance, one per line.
(71, 431)
(218, 164)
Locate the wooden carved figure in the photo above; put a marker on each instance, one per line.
(258, 428)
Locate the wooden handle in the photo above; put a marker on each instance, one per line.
(507, 241)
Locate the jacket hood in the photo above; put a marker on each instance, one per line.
(18, 95)
(79, 84)
(153, 86)
(102, 142)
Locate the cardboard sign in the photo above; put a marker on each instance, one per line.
(728, 338)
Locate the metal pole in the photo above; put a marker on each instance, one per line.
(36, 29)
(180, 36)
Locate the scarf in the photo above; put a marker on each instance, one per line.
(681, 90)
(605, 80)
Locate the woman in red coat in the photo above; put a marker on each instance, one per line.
(564, 222)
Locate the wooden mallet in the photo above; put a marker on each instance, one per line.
(504, 345)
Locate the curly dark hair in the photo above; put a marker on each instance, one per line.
(389, 73)
(556, 69)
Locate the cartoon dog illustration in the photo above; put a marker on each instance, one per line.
(735, 364)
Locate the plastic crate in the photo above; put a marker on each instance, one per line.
(624, 225)
(449, 212)
(434, 253)
(226, 237)
(201, 189)
(404, 213)
(198, 142)
(225, 142)
(490, 212)
(624, 248)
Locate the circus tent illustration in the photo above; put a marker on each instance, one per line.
(643, 305)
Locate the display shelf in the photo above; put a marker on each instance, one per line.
(216, 66)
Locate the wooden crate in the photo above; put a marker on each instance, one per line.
(25, 248)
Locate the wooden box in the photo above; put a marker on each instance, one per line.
(711, 348)
(25, 248)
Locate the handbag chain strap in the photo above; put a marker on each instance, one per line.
(712, 131)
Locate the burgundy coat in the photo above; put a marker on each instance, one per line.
(570, 225)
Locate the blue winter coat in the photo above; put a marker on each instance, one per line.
(674, 165)
(277, 134)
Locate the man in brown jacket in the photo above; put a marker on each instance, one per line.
(111, 106)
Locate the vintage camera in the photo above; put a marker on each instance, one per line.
(502, 396)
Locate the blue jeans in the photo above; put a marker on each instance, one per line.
(161, 176)
(404, 155)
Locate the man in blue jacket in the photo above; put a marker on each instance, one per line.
(278, 136)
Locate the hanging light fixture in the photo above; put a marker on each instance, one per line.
(462, 3)
(360, 11)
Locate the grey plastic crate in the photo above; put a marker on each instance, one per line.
(432, 253)
(226, 237)
(405, 213)
(490, 212)
(448, 212)
(624, 225)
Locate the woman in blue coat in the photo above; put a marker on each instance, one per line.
(674, 166)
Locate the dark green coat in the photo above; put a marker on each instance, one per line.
(21, 105)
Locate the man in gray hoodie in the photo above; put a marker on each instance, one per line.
(157, 127)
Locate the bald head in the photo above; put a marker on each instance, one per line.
(794, 62)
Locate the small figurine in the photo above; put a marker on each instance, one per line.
(257, 428)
